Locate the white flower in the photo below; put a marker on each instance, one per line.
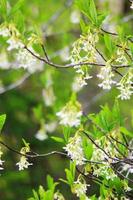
(80, 82)
(1, 161)
(70, 114)
(4, 63)
(41, 134)
(79, 188)
(14, 43)
(64, 54)
(131, 6)
(26, 60)
(84, 51)
(58, 196)
(48, 96)
(75, 17)
(23, 163)
(4, 31)
(125, 86)
(106, 76)
(51, 126)
(121, 58)
(74, 149)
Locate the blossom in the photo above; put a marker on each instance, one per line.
(26, 60)
(75, 17)
(48, 96)
(64, 54)
(1, 161)
(121, 58)
(4, 63)
(125, 86)
(23, 163)
(84, 51)
(4, 31)
(131, 5)
(80, 82)
(74, 149)
(70, 114)
(58, 196)
(41, 134)
(106, 76)
(14, 43)
(79, 188)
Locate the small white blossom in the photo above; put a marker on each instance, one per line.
(74, 149)
(14, 43)
(26, 60)
(70, 114)
(121, 58)
(80, 82)
(64, 54)
(1, 161)
(58, 196)
(79, 188)
(75, 17)
(23, 163)
(41, 134)
(106, 76)
(131, 5)
(4, 63)
(51, 126)
(48, 96)
(84, 52)
(4, 31)
(125, 86)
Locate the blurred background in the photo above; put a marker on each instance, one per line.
(31, 100)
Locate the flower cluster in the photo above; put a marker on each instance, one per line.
(121, 58)
(58, 196)
(106, 76)
(84, 51)
(74, 149)
(126, 85)
(48, 127)
(80, 188)
(1, 161)
(28, 61)
(70, 114)
(23, 163)
(131, 5)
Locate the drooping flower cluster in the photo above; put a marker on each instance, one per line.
(70, 114)
(131, 5)
(84, 51)
(80, 188)
(24, 163)
(121, 58)
(58, 196)
(28, 61)
(74, 149)
(24, 58)
(106, 76)
(126, 85)
(44, 129)
(1, 161)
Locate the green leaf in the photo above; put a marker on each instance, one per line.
(16, 7)
(126, 132)
(108, 43)
(58, 139)
(3, 8)
(2, 121)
